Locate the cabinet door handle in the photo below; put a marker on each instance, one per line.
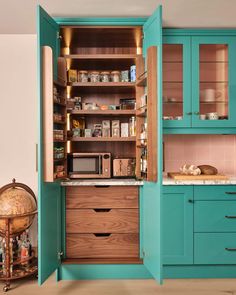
(230, 249)
(189, 113)
(102, 235)
(230, 216)
(101, 186)
(190, 201)
(196, 113)
(230, 193)
(102, 210)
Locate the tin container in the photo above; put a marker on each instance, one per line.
(133, 73)
(124, 76)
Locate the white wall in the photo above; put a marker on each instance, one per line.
(18, 111)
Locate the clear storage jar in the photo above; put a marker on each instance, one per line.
(83, 76)
(94, 77)
(105, 76)
(115, 76)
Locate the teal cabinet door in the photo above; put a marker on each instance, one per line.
(177, 225)
(177, 103)
(151, 191)
(49, 194)
(213, 81)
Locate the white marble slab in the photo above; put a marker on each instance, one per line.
(92, 182)
(171, 181)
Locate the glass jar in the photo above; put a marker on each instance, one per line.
(115, 76)
(83, 76)
(105, 76)
(94, 77)
(132, 126)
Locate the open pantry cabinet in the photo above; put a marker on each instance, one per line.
(99, 45)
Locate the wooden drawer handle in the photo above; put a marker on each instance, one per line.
(230, 216)
(230, 249)
(101, 186)
(102, 235)
(230, 193)
(102, 210)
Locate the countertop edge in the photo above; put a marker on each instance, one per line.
(89, 182)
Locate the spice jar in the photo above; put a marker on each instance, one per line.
(94, 77)
(104, 76)
(115, 76)
(132, 126)
(83, 76)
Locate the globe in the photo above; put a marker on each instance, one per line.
(16, 201)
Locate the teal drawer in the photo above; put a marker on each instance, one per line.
(215, 192)
(215, 248)
(215, 216)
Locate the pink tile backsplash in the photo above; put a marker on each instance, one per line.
(215, 150)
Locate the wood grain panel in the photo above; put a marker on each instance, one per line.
(91, 221)
(113, 246)
(102, 197)
(132, 260)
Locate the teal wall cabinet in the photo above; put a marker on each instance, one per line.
(177, 225)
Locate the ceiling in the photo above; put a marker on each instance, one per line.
(19, 17)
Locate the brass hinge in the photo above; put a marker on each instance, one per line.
(59, 255)
(59, 36)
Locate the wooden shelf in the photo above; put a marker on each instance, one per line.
(59, 160)
(59, 122)
(101, 56)
(106, 112)
(103, 139)
(102, 261)
(58, 140)
(102, 84)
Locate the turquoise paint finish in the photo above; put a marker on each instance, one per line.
(199, 271)
(214, 192)
(210, 216)
(103, 271)
(101, 21)
(199, 32)
(152, 191)
(199, 130)
(196, 42)
(49, 205)
(185, 41)
(209, 248)
(177, 222)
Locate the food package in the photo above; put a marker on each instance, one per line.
(208, 169)
(188, 169)
(72, 76)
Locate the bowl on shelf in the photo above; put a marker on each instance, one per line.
(212, 116)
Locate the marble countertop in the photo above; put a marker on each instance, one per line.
(92, 182)
(170, 181)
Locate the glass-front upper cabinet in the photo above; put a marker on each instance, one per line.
(213, 81)
(176, 81)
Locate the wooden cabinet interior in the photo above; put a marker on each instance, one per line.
(106, 48)
(147, 114)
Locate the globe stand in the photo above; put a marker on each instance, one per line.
(20, 268)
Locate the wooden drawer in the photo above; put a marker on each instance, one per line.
(111, 246)
(215, 248)
(102, 220)
(215, 216)
(102, 197)
(215, 192)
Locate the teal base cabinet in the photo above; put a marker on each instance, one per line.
(177, 220)
(199, 231)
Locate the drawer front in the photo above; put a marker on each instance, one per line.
(102, 220)
(215, 192)
(215, 216)
(215, 248)
(102, 197)
(111, 246)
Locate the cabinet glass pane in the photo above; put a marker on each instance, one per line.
(173, 81)
(213, 80)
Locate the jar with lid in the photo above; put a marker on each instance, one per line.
(94, 77)
(143, 134)
(105, 76)
(83, 76)
(115, 76)
(132, 126)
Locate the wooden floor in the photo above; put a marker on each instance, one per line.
(126, 287)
